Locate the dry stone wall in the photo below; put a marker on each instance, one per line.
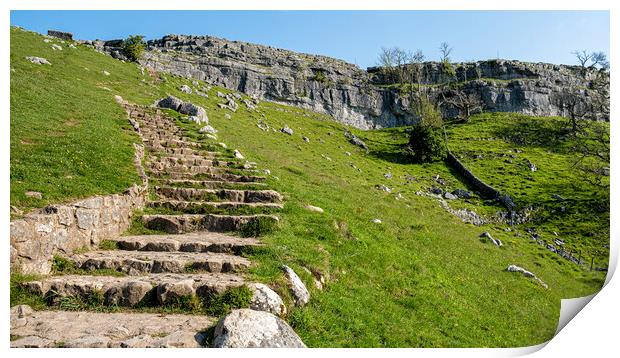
(39, 235)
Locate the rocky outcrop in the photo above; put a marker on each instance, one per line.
(363, 98)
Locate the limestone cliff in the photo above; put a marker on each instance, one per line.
(365, 98)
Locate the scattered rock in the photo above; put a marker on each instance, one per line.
(56, 47)
(21, 311)
(376, 221)
(106, 73)
(299, 290)
(313, 208)
(34, 194)
(287, 130)
(227, 116)
(526, 273)
(348, 153)
(462, 193)
(246, 328)
(185, 89)
(208, 129)
(38, 60)
(488, 236)
(383, 188)
(531, 165)
(267, 172)
(450, 196)
(306, 139)
(265, 299)
(238, 154)
(558, 197)
(436, 191)
(198, 120)
(388, 175)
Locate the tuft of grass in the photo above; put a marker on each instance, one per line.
(259, 226)
(221, 304)
(108, 245)
(64, 266)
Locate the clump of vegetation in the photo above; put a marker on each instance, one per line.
(108, 245)
(237, 297)
(319, 76)
(133, 47)
(261, 225)
(426, 142)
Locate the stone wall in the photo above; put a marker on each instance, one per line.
(485, 189)
(360, 97)
(64, 228)
(39, 235)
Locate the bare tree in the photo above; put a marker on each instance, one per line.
(445, 51)
(583, 57)
(466, 104)
(392, 61)
(415, 62)
(598, 58)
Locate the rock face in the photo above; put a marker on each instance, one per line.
(246, 328)
(355, 96)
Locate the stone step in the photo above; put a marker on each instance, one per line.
(148, 290)
(195, 161)
(189, 151)
(204, 207)
(209, 184)
(141, 262)
(207, 176)
(174, 144)
(232, 195)
(42, 329)
(192, 242)
(195, 169)
(178, 224)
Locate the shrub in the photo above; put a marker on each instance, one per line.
(448, 69)
(319, 76)
(426, 142)
(133, 47)
(236, 297)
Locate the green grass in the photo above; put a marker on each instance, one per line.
(584, 223)
(69, 139)
(422, 278)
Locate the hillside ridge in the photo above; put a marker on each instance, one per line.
(366, 99)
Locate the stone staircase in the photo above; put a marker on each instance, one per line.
(200, 195)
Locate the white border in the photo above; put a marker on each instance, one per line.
(592, 332)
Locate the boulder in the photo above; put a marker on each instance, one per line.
(450, 196)
(185, 89)
(488, 236)
(208, 129)
(462, 193)
(238, 154)
(299, 290)
(265, 299)
(169, 102)
(526, 273)
(287, 130)
(34, 194)
(313, 208)
(38, 60)
(246, 328)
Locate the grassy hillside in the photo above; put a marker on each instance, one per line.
(421, 277)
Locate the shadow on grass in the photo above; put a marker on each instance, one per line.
(527, 131)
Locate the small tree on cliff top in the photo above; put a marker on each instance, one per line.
(133, 47)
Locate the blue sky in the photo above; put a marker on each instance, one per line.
(355, 36)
